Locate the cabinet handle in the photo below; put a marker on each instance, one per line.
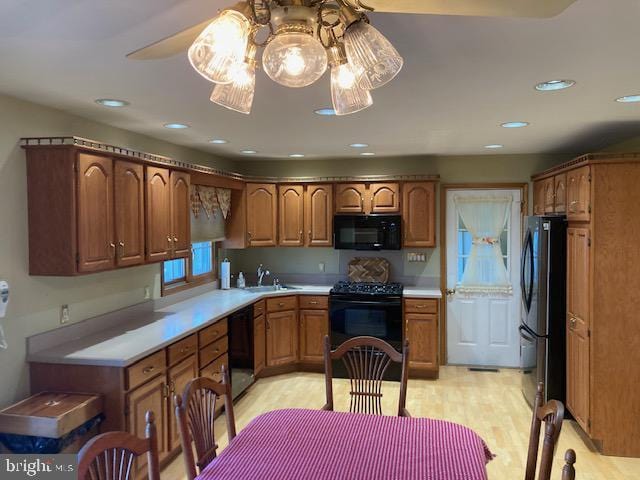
(268, 325)
(172, 387)
(184, 349)
(301, 235)
(165, 391)
(313, 302)
(362, 203)
(310, 237)
(148, 369)
(112, 246)
(121, 244)
(169, 239)
(175, 239)
(572, 323)
(281, 304)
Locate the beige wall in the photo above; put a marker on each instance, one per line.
(35, 302)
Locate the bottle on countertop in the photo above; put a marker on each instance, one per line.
(241, 282)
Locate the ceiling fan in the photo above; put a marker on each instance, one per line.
(303, 37)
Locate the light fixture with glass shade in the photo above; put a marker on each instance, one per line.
(303, 37)
(238, 95)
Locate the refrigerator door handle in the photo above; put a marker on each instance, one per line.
(527, 249)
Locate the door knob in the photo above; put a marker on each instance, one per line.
(451, 291)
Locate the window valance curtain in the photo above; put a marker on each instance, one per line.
(210, 200)
(485, 218)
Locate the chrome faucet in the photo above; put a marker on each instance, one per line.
(261, 273)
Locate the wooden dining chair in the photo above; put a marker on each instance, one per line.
(366, 360)
(196, 412)
(568, 471)
(552, 414)
(111, 455)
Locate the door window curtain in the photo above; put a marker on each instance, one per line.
(485, 218)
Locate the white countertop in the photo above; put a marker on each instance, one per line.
(125, 344)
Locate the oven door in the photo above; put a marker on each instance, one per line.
(352, 317)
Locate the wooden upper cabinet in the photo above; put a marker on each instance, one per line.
(291, 215)
(384, 198)
(419, 214)
(549, 195)
(180, 214)
(96, 247)
(560, 189)
(262, 204)
(579, 194)
(538, 197)
(318, 215)
(350, 197)
(158, 214)
(129, 213)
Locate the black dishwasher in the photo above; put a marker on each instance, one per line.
(241, 350)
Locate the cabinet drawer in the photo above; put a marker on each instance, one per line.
(182, 349)
(312, 302)
(213, 332)
(420, 305)
(281, 304)
(213, 370)
(145, 369)
(211, 352)
(258, 308)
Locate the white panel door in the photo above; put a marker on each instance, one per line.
(482, 328)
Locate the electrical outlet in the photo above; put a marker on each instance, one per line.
(321, 266)
(147, 292)
(64, 314)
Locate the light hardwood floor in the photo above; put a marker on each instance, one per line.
(489, 403)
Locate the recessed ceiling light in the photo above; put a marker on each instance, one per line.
(359, 145)
(628, 99)
(297, 155)
(112, 102)
(514, 124)
(248, 152)
(552, 85)
(325, 111)
(175, 126)
(367, 154)
(218, 141)
(493, 146)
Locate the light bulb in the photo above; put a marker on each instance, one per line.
(373, 56)
(220, 47)
(346, 94)
(294, 59)
(238, 95)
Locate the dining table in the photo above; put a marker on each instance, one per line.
(300, 444)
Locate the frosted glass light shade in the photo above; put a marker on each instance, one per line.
(237, 95)
(220, 47)
(294, 59)
(346, 94)
(373, 56)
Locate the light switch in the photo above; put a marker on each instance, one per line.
(64, 314)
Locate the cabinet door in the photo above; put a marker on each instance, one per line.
(318, 215)
(419, 214)
(261, 215)
(158, 214)
(259, 344)
(178, 376)
(180, 214)
(96, 242)
(422, 333)
(579, 194)
(291, 215)
(314, 325)
(350, 197)
(538, 197)
(560, 189)
(129, 213)
(549, 195)
(150, 396)
(282, 338)
(578, 318)
(384, 198)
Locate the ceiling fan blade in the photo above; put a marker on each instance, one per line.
(483, 8)
(169, 46)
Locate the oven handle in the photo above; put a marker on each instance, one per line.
(365, 302)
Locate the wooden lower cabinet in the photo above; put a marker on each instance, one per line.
(282, 338)
(151, 396)
(578, 375)
(314, 326)
(421, 330)
(178, 376)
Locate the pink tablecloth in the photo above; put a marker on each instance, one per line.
(314, 444)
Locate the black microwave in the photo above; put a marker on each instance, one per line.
(367, 232)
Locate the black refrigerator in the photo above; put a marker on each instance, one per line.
(542, 324)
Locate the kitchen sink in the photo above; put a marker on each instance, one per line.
(270, 288)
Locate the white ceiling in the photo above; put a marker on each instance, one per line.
(463, 76)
